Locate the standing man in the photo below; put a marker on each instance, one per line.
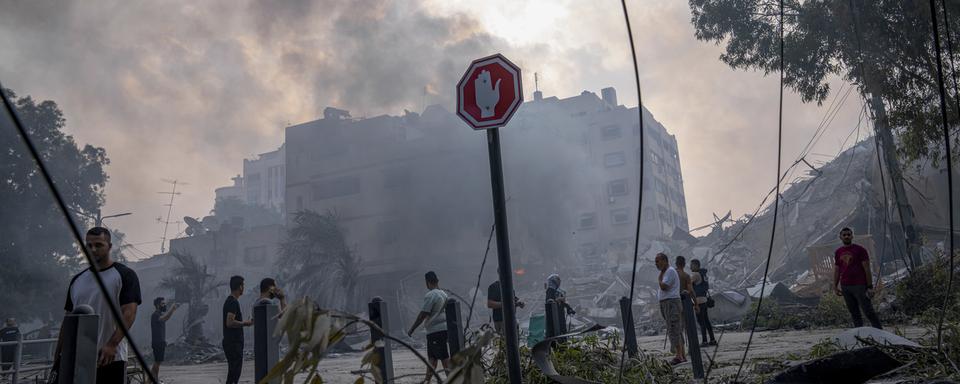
(270, 292)
(495, 303)
(686, 282)
(8, 353)
(701, 289)
(434, 314)
(670, 309)
(233, 330)
(123, 288)
(852, 279)
(158, 331)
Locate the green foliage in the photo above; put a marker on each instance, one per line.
(590, 358)
(831, 311)
(825, 347)
(771, 316)
(820, 41)
(922, 293)
(316, 261)
(38, 253)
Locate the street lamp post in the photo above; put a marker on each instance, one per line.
(100, 219)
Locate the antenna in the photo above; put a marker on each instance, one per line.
(166, 223)
(536, 81)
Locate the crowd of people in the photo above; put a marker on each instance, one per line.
(852, 280)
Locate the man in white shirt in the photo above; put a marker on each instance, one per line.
(434, 314)
(669, 297)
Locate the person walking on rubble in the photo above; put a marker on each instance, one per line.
(852, 279)
(701, 290)
(670, 309)
(433, 313)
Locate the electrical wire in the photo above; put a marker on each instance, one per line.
(643, 160)
(946, 143)
(41, 165)
(776, 207)
(476, 290)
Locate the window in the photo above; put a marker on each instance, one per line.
(341, 186)
(665, 216)
(396, 177)
(620, 216)
(587, 221)
(621, 244)
(610, 132)
(615, 159)
(589, 249)
(617, 187)
(389, 231)
(299, 203)
(255, 255)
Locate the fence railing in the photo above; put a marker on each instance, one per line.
(12, 372)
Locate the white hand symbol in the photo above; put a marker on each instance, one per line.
(488, 94)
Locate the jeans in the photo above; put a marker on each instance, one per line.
(856, 298)
(704, 320)
(234, 354)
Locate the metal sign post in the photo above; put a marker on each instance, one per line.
(487, 96)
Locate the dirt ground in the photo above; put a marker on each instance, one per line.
(336, 369)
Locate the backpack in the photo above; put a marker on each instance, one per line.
(704, 286)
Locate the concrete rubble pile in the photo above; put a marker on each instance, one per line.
(819, 200)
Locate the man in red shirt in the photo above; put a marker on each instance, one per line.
(852, 279)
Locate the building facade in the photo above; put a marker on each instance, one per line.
(412, 192)
(262, 183)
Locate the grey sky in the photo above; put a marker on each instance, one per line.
(186, 90)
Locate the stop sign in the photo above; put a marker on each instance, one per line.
(489, 92)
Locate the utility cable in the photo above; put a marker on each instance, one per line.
(946, 143)
(776, 207)
(476, 290)
(643, 161)
(114, 311)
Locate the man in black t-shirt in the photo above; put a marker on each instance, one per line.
(8, 353)
(158, 329)
(495, 303)
(233, 330)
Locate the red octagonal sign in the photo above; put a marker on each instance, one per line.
(489, 92)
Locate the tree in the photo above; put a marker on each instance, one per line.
(824, 38)
(38, 254)
(315, 260)
(884, 47)
(191, 283)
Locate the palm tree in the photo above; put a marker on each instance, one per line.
(192, 282)
(316, 261)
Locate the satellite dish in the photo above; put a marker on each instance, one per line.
(194, 227)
